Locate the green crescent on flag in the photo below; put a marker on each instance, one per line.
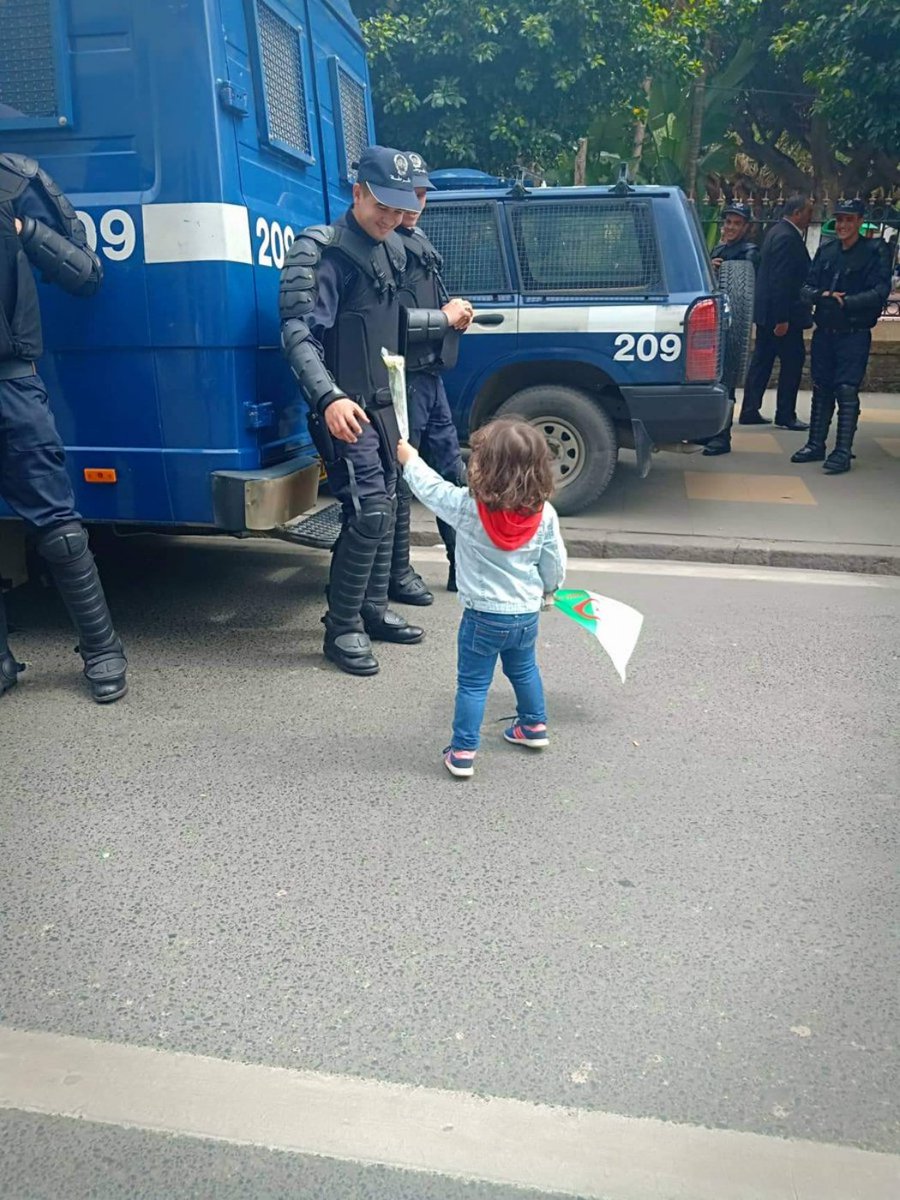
(614, 625)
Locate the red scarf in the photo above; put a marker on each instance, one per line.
(509, 530)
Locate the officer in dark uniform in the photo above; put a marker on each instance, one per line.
(849, 283)
(735, 246)
(431, 427)
(340, 305)
(39, 228)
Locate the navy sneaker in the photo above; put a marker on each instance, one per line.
(534, 736)
(460, 763)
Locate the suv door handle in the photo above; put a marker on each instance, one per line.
(488, 318)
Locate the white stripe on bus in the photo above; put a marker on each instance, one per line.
(196, 233)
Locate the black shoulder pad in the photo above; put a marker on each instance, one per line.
(303, 252)
(19, 164)
(322, 235)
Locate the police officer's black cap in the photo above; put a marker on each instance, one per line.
(387, 174)
(743, 211)
(855, 208)
(419, 171)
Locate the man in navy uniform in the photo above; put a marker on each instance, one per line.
(431, 427)
(39, 229)
(781, 317)
(340, 305)
(735, 246)
(849, 283)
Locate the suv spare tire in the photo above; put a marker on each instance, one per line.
(738, 281)
(582, 438)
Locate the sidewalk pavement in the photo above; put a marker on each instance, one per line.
(752, 506)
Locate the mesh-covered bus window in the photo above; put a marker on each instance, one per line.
(468, 236)
(30, 79)
(279, 48)
(586, 246)
(352, 124)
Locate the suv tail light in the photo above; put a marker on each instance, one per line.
(702, 355)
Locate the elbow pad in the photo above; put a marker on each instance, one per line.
(308, 368)
(76, 269)
(419, 326)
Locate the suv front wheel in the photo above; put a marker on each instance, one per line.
(581, 436)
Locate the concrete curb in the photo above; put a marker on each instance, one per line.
(819, 556)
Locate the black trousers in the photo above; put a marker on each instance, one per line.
(791, 353)
(839, 359)
(33, 478)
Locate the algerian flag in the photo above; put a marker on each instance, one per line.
(616, 626)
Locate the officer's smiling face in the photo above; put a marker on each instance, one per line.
(411, 219)
(376, 219)
(734, 228)
(847, 227)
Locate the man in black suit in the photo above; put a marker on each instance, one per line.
(781, 317)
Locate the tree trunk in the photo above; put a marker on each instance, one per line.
(698, 100)
(581, 163)
(640, 132)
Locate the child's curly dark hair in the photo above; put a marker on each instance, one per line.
(510, 467)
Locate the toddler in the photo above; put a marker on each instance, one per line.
(509, 555)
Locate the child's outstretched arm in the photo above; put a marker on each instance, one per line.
(444, 499)
(552, 561)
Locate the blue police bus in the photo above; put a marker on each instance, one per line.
(193, 139)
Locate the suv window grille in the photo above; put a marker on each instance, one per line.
(468, 236)
(279, 48)
(586, 246)
(27, 60)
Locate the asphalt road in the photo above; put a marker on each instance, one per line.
(684, 909)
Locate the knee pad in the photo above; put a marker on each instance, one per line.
(64, 543)
(847, 396)
(373, 519)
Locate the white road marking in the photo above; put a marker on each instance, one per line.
(574, 1152)
(686, 570)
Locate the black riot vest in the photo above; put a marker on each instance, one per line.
(369, 316)
(423, 288)
(20, 314)
(846, 271)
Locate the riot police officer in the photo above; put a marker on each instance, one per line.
(39, 228)
(340, 305)
(735, 246)
(849, 283)
(431, 427)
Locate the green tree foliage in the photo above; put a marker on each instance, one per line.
(517, 82)
(847, 52)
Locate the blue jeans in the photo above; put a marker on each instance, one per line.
(482, 637)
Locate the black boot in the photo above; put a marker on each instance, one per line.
(346, 641)
(821, 412)
(448, 537)
(406, 586)
(720, 444)
(838, 461)
(66, 551)
(381, 624)
(9, 668)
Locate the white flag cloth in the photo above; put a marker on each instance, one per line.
(396, 368)
(614, 625)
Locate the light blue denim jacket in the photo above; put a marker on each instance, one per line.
(490, 579)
